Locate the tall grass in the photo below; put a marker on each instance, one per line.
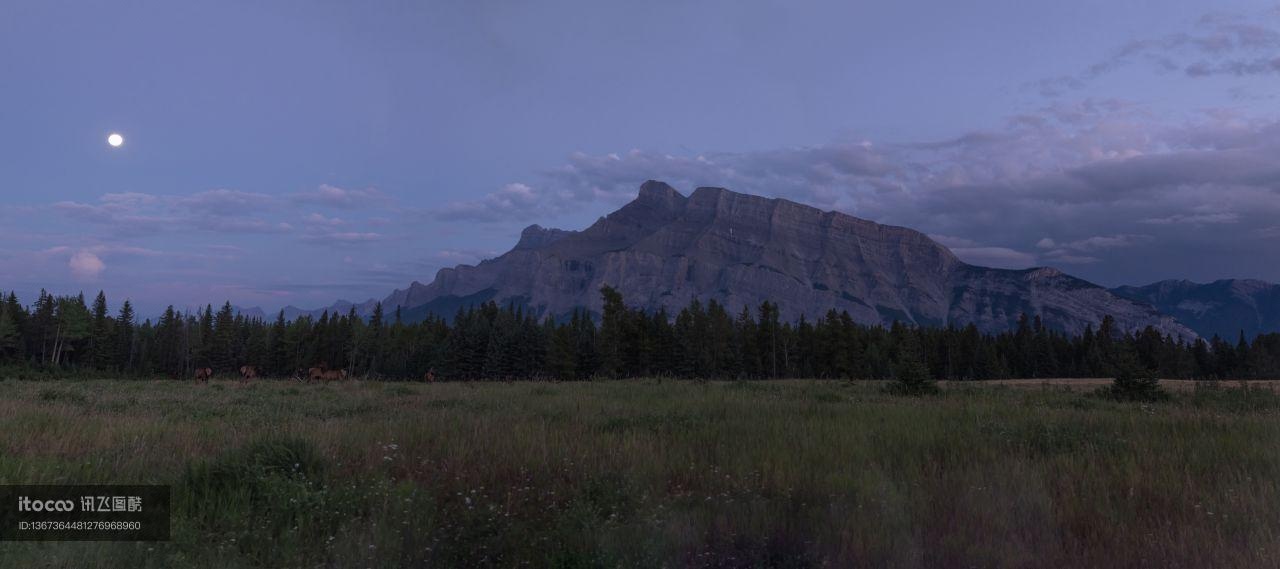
(649, 473)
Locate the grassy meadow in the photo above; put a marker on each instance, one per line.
(657, 473)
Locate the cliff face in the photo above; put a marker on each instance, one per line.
(1224, 308)
(665, 249)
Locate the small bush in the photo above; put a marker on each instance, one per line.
(245, 468)
(912, 378)
(1137, 384)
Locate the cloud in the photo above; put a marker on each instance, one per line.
(123, 218)
(1081, 251)
(999, 257)
(222, 202)
(1194, 219)
(975, 253)
(353, 237)
(1085, 182)
(335, 231)
(86, 266)
(134, 214)
(335, 197)
(1102, 243)
(1216, 44)
(241, 225)
(328, 237)
(458, 256)
(816, 174)
(515, 201)
(138, 214)
(320, 220)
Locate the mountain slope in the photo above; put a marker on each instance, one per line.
(1225, 307)
(664, 249)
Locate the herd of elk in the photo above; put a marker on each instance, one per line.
(319, 373)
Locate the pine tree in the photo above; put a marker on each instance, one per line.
(223, 355)
(612, 332)
(911, 374)
(376, 338)
(101, 349)
(1135, 382)
(10, 332)
(123, 338)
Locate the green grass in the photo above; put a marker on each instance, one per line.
(649, 473)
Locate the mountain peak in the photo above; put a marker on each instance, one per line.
(654, 189)
(715, 191)
(664, 250)
(536, 236)
(659, 196)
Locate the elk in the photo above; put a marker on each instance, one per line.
(430, 376)
(334, 375)
(203, 374)
(314, 374)
(247, 373)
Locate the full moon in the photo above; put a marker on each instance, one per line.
(114, 139)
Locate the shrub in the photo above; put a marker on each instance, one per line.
(1134, 383)
(912, 378)
(245, 469)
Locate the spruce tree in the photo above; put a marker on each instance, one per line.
(123, 338)
(911, 373)
(612, 332)
(1134, 381)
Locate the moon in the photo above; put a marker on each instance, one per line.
(114, 139)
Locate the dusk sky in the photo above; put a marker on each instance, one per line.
(300, 152)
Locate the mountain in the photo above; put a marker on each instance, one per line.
(1225, 307)
(252, 313)
(664, 249)
(365, 308)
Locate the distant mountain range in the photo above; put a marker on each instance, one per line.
(1224, 308)
(665, 249)
(292, 312)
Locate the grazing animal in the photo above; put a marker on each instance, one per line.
(430, 376)
(334, 375)
(247, 373)
(314, 374)
(203, 374)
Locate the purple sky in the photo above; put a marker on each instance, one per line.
(303, 152)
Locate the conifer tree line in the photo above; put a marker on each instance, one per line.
(65, 336)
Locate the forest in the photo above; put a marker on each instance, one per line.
(63, 336)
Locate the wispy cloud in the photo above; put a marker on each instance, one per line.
(136, 214)
(1216, 44)
(515, 201)
(1088, 175)
(340, 198)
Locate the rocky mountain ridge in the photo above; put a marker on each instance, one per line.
(1225, 308)
(665, 249)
